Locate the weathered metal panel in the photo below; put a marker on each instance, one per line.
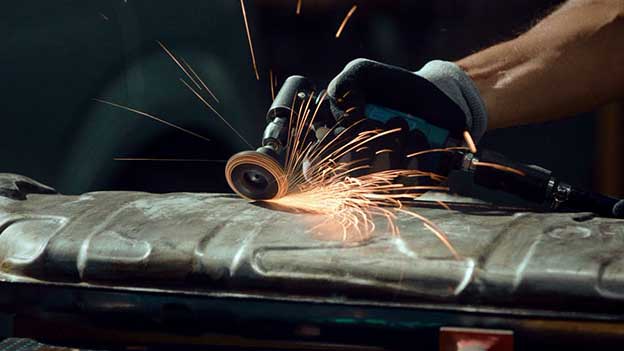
(216, 243)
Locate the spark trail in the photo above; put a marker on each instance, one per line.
(345, 20)
(348, 204)
(251, 49)
(158, 119)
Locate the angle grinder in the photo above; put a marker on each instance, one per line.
(259, 175)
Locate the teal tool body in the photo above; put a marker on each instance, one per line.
(436, 136)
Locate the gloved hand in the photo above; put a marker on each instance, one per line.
(440, 93)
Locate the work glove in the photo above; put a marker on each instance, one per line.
(440, 93)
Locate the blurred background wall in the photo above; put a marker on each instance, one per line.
(58, 55)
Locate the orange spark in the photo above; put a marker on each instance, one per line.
(383, 151)
(251, 49)
(350, 203)
(499, 167)
(299, 7)
(443, 204)
(158, 119)
(272, 84)
(447, 149)
(177, 62)
(345, 20)
(201, 98)
(199, 79)
(470, 142)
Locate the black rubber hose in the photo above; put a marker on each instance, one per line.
(537, 185)
(581, 200)
(529, 183)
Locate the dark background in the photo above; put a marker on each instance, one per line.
(56, 56)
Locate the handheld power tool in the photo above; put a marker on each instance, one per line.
(259, 174)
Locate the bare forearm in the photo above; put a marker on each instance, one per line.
(570, 62)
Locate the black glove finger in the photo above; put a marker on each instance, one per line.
(369, 82)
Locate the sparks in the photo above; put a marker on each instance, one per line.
(177, 62)
(499, 167)
(272, 82)
(251, 49)
(348, 204)
(345, 20)
(470, 142)
(201, 81)
(299, 7)
(188, 71)
(158, 119)
(201, 98)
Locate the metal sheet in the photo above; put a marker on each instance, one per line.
(220, 243)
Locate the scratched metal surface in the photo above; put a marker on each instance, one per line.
(215, 243)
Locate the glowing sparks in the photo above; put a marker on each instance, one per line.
(470, 142)
(299, 3)
(271, 81)
(201, 98)
(443, 204)
(201, 81)
(349, 205)
(199, 84)
(431, 151)
(352, 202)
(345, 20)
(499, 167)
(251, 49)
(383, 151)
(188, 71)
(158, 119)
(177, 62)
(434, 229)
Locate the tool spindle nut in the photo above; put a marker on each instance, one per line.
(256, 176)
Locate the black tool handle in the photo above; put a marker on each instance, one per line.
(582, 200)
(528, 182)
(535, 184)
(294, 90)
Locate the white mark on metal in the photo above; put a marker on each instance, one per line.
(468, 273)
(570, 232)
(523, 265)
(400, 244)
(239, 254)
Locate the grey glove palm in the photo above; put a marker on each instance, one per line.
(440, 93)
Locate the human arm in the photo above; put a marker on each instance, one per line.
(570, 62)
